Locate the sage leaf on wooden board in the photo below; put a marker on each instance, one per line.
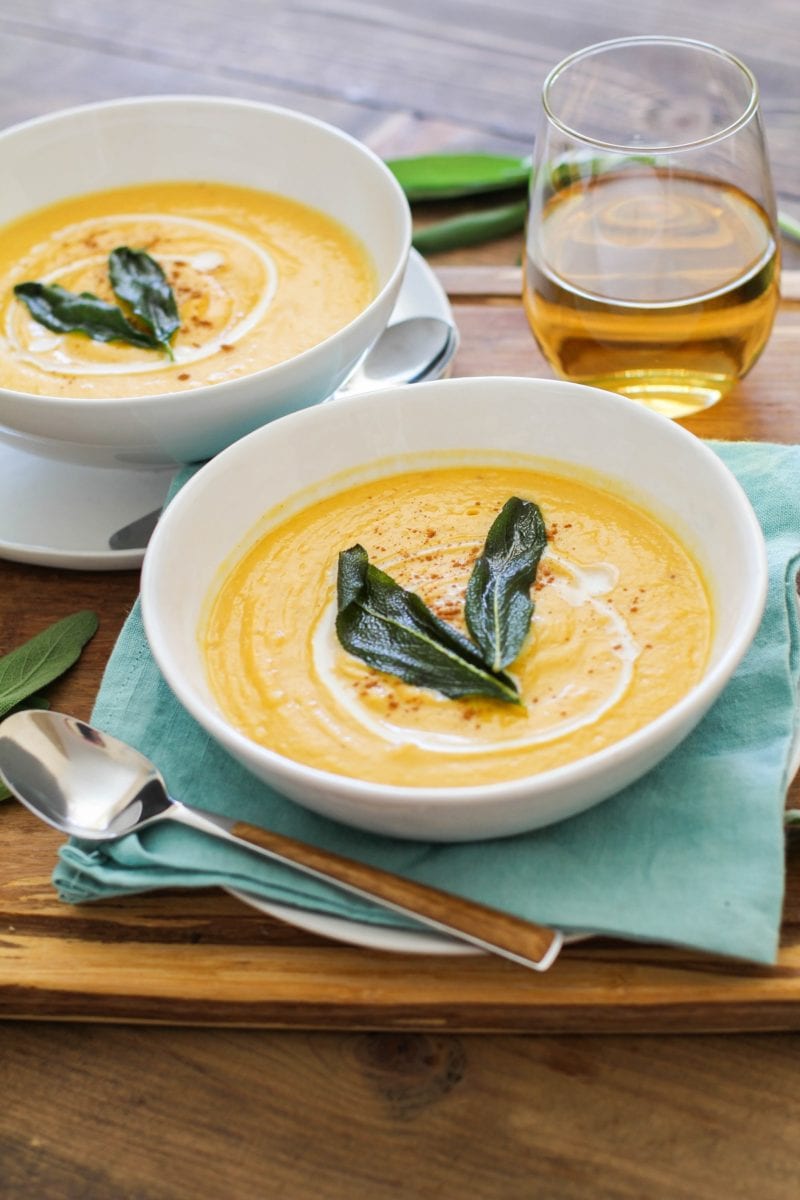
(81, 312)
(29, 668)
(393, 630)
(138, 279)
(498, 605)
(451, 175)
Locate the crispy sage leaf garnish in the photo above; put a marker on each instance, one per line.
(394, 631)
(72, 312)
(498, 606)
(38, 662)
(138, 279)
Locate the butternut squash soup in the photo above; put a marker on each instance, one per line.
(256, 278)
(621, 627)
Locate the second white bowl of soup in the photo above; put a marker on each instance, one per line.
(458, 611)
(282, 240)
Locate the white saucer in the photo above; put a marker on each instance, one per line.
(379, 937)
(59, 514)
(357, 933)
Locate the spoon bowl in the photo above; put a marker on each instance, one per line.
(81, 781)
(91, 785)
(406, 352)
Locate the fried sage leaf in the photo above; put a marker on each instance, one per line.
(138, 279)
(81, 312)
(499, 607)
(394, 631)
(38, 662)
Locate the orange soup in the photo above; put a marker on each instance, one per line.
(257, 277)
(621, 630)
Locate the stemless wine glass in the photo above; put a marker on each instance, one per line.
(652, 262)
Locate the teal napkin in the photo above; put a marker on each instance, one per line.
(692, 854)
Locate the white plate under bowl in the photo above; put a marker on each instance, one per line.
(59, 514)
(357, 933)
(371, 937)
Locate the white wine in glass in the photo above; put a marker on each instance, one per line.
(652, 264)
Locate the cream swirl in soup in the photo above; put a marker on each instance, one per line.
(257, 277)
(621, 629)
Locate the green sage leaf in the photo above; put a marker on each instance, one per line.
(448, 176)
(70, 312)
(498, 606)
(38, 662)
(394, 631)
(138, 279)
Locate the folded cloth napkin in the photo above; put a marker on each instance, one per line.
(692, 854)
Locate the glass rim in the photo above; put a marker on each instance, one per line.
(652, 40)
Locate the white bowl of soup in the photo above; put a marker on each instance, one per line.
(648, 588)
(282, 240)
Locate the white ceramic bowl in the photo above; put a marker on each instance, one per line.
(193, 138)
(669, 471)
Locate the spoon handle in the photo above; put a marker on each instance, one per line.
(512, 937)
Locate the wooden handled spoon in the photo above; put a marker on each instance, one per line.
(93, 786)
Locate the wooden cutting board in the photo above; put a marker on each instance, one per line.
(204, 958)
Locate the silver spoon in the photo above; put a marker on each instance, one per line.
(91, 785)
(406, 352)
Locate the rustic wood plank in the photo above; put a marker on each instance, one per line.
(367, 1116)
(600, 990)
(451, 60)
(247, 1114)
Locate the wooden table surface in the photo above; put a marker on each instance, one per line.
(97, 1111)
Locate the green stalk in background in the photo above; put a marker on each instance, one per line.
(471, 229)
(789, 226)
(449, 176)
(436, 177)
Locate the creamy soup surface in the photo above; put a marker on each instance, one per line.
(257, 278)
(621, 630)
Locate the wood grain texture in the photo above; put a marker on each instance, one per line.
(247, 1115)
(92, 1109)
